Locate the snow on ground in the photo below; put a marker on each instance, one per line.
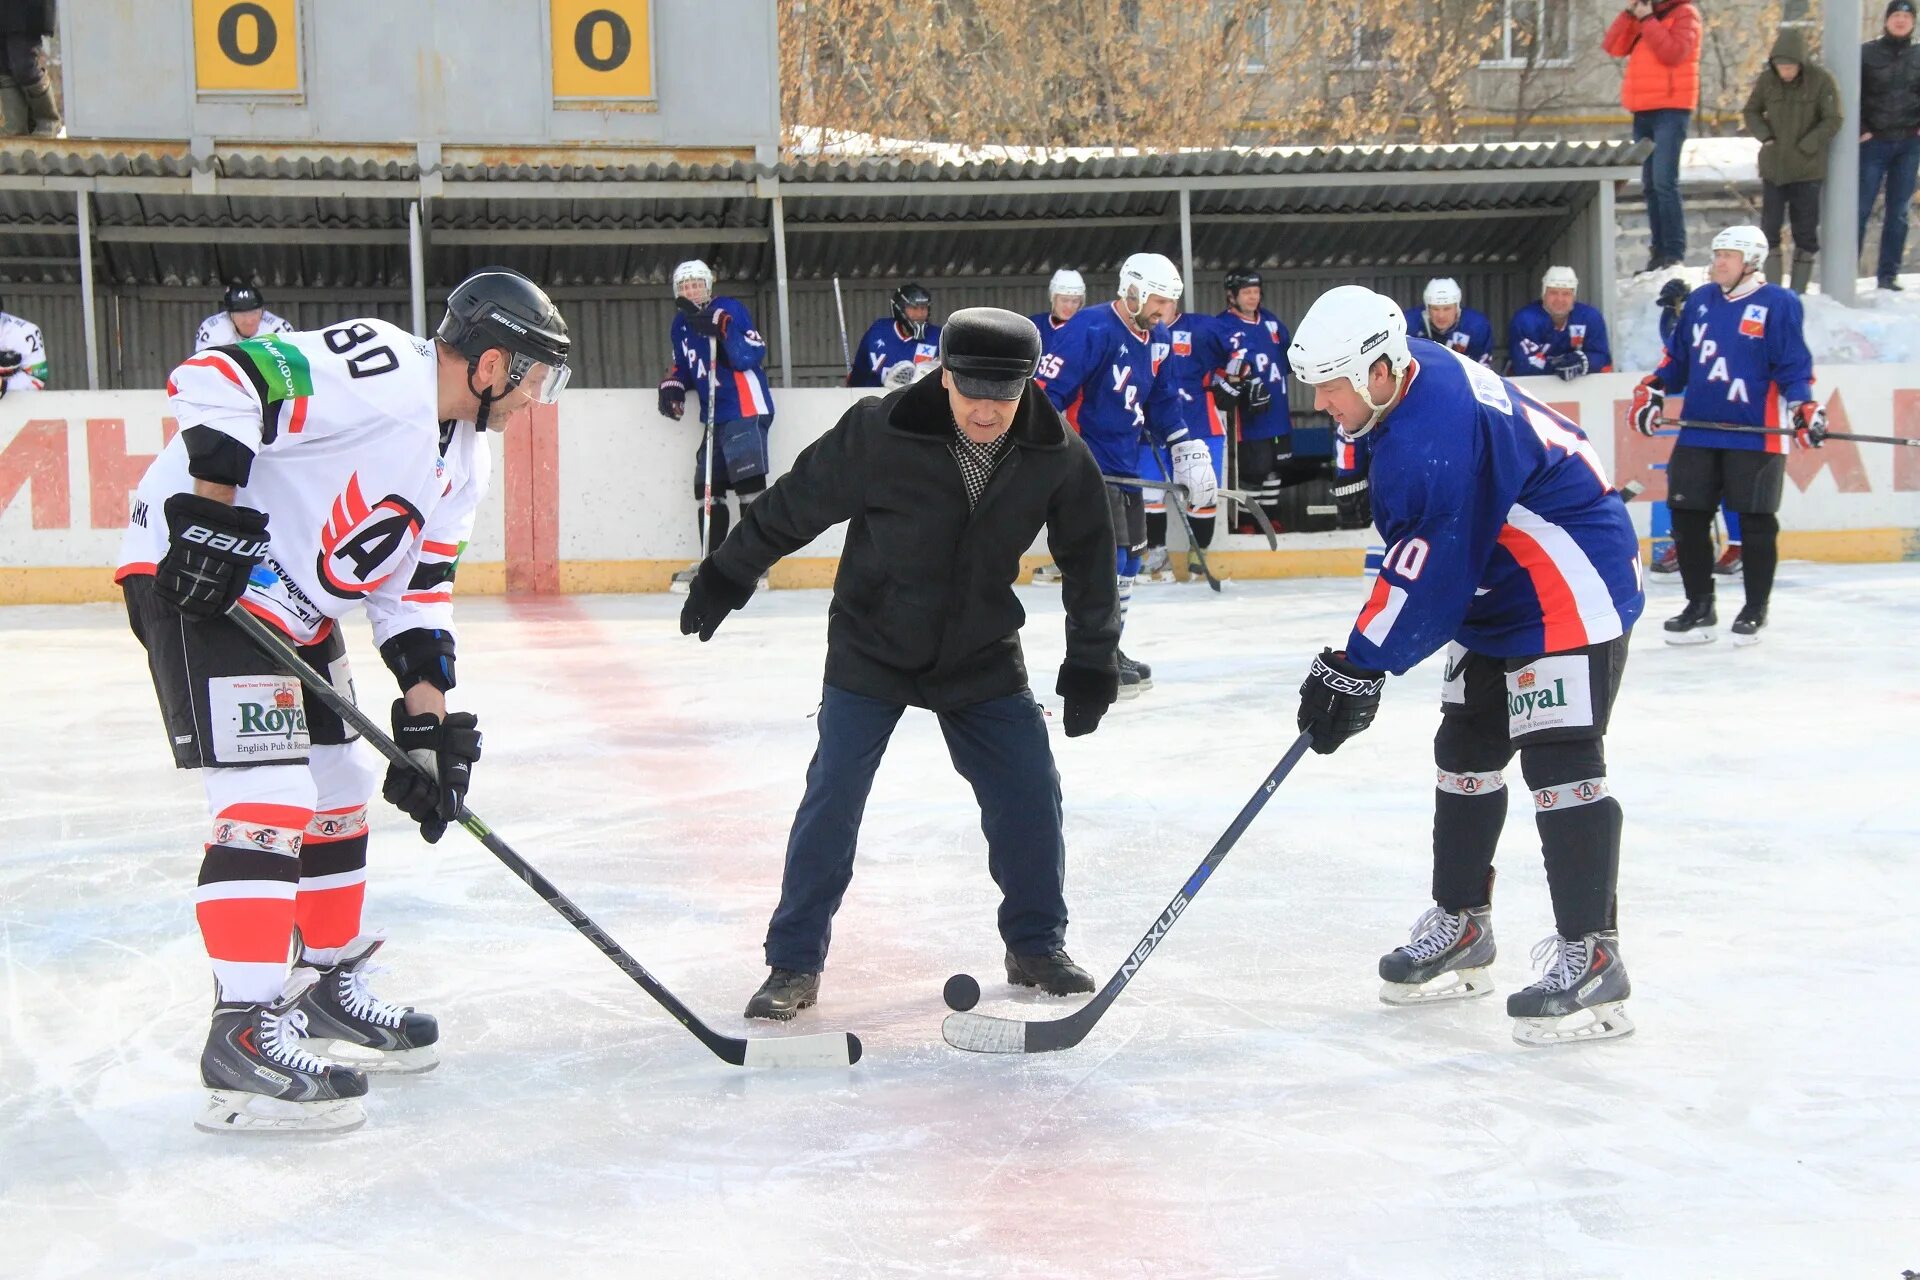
(1879, 328)
(1247, 1109)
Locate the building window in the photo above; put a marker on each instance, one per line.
(1531, 33)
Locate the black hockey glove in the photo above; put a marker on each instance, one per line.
(432, 788)
(10, 362)
(1337, 700)
(1259, 397)
(707, 321)
(1568, 365)
(673, 398)
(711, 596)
(211, 549)
(1226, 393)
(1087, 693)
(1355, 500)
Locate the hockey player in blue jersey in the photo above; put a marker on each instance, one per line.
(1440, 318)
(742, 411)
(1106, 372)
(1263, 432)
(1558, 335)
(1066, 294)
(1198, 366)
(1737, 355)
(903, 338)
(1507, 546)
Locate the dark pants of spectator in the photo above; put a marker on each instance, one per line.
(1000, 748)
(1894, 161)
(1800, 202)
(1660, 179)
(24, 61)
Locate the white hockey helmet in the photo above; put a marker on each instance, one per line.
(692, 269)
(1145, 275)
(1749, 240)
(1343, 333)
(1442, 292)
(1560, 278)
(1066, 282)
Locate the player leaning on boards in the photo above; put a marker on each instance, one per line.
(896, 349)
(1507, 545)
(243, 314)
(313, 473)
(1737, 353)
(943, 484)
(1558, 334)
(23, 354)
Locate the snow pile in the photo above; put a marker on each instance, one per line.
(1728, 160)
(1880, 328)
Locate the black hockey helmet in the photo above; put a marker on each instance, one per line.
(991, 353)
(911, 295)
(1243, 278)
(497, 307)
(241, 297)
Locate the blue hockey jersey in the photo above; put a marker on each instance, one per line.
(1265, 341)
(1110, 383)
(1471, 335)
(1533, 340)
(742, 380)
(1502, 530)
(884, 346)
(1048, 327)
(1735, 359)
(1200, 351)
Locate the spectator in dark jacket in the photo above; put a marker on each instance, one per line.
(944, 484)
(1890, 133)
(1794, 110)
(24, 87)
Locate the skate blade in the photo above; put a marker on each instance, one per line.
(1682, 639)
(1455, 984)
(1602, 1022)
(233, 1111)
(377, 1061)
(677, 588)
(1743, 642)
(1128, 691)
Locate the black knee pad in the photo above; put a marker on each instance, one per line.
(1556, 764)
(1463, 746)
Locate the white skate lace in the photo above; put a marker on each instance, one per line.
(1432, 934)
(1561, 962)
(284, 1041)
(358, 1000)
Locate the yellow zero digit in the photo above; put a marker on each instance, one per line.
(602, 49)
(242, 46)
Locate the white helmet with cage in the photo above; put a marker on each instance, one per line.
(1442, 292)
(1342, 335)
(1751, 241)
(1066, 283)
(1148, 275)
(694, 269)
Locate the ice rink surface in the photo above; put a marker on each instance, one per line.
(1247, 1109)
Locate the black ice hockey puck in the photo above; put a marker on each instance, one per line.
(962, 993)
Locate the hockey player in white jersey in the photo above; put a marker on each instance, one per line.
(23, 354)
(243, 314)
(315, 473)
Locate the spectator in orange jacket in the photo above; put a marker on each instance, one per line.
(1660, 39)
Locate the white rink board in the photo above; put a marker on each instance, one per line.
(1247, 1109)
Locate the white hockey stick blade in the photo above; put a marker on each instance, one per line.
(827, 1049)
(984, 1033)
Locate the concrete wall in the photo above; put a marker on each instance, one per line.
(597, 496)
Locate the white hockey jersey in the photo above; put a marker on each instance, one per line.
(23, 339)
(217, 329)
(369, 497)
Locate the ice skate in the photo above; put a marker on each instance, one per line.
(263, 1078)
(1578, 997)
(1054, 973)
(1446, 958)
(1138, 668)
(1693, 624)
(1047, 574)
(1197, 572)
(1747, 626)
(1668, 561)
(1158, 567)
(784, 993)
(1729, 561)
(347, 1023)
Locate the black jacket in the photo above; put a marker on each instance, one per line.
(923, 609)
(1889, 86)
(26, 17)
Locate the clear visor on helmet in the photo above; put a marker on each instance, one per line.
(542, 382)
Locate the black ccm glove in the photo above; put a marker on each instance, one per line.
(711, 596)
(445, 749)
(1087, 693)
(1337, 700)
(211, 549)
(706, 320)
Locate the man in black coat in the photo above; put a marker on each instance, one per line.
(1890, 133)
(943, 483)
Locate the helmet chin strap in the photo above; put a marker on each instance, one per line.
(1378, 411)
(485, 397)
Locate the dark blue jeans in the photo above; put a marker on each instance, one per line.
(1894, 161)
(1660, 178)
(1000, 748)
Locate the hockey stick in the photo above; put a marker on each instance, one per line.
(1193, 543)
(984, 1033)
(1786, 431)
(713, 411)
(824, 1049)
(1240, 496)
(840, 305)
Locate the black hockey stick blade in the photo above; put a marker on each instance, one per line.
(825, 1049)
(1631, 490)
(984, 1033)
